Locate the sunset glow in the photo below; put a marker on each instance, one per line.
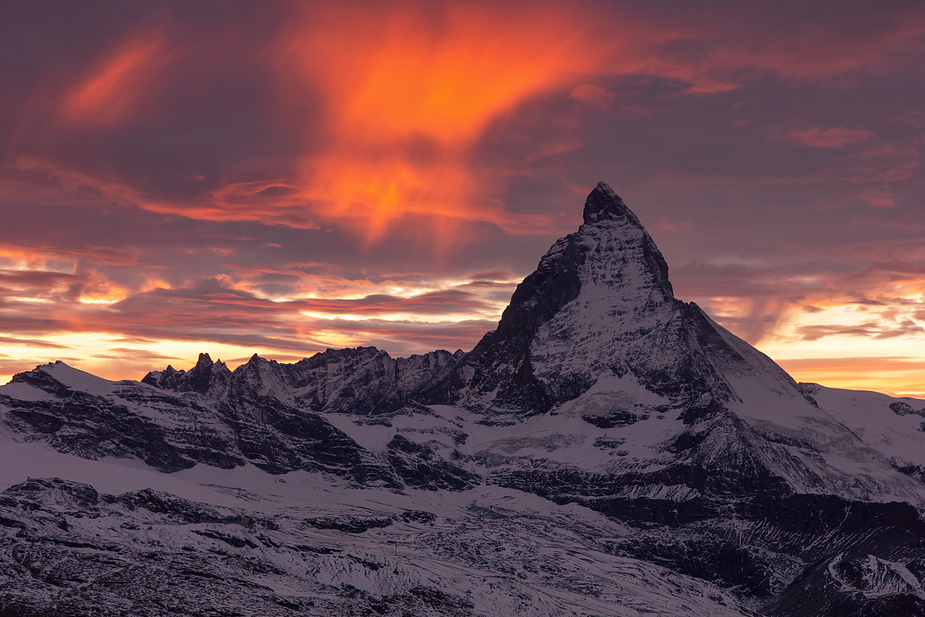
(409, 92)
(287, 177)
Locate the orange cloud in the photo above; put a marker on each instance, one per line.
(408, 92)
(111, 93)
(39, 257)
(442, 74)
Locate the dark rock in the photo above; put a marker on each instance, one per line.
(849, 585)
(272, 435)
(821, 514)
(419, 466)
(56, 490)
(724, 562)
(901, 408)
(613, 419)
(419, 516)
(232, 540)
(159, 502)
(440, 600)
(349, 524)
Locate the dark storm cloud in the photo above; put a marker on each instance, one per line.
(35, 278)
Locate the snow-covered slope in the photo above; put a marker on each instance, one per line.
(607, 450)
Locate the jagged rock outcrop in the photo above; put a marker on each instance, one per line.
(361, 381)
(546, 350)
(83, 415)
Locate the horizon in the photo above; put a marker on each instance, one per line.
(286, 178)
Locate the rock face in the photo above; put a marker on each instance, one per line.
(603, 422)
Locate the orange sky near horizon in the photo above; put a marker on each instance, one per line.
(298, 176)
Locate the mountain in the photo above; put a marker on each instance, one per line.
(607, 450)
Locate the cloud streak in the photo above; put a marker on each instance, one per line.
(110, 93)
(828, 138)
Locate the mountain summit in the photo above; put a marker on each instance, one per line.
(600, 305)
(608, 449)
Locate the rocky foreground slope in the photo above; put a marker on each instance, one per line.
(607, 450)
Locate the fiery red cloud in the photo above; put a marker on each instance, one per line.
(291, 176)
(409, 91)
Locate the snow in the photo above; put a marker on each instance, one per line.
(511, 553)
(607, 307)
(868, 415)
(24, 392)
(77, 379)
(20, 461)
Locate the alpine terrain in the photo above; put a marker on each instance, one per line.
(607, 450)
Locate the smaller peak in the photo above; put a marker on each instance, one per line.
(604, 203)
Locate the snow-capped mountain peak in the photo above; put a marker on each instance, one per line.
(608, 449)
(600, 305)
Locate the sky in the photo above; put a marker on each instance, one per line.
(285, 177)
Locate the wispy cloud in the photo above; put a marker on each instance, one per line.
(828, 138)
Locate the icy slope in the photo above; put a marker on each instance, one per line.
(298, 544)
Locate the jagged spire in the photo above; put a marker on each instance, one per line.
(603, 202)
